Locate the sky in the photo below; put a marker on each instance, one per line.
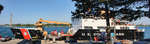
(29, 11)
(143, 20)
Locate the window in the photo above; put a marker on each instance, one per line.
(124, 27)
(88, 27)
(100, 27)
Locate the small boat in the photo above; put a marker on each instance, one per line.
(27, 33)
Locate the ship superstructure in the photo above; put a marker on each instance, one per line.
(88, 28)
(89, 20)
(88, 23)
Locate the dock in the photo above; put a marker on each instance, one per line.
(21, 41)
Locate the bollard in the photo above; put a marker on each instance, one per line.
(54, 40)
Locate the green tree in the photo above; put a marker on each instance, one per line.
(120, 9)
(1, 8)
(130, 9)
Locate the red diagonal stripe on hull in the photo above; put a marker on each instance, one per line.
(25, 34)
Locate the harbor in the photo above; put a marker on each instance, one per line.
(78, 35)
(81, 22)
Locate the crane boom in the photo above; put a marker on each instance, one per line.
(52, 22)
(55, 22)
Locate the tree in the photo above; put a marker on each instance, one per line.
(131, 9)
(1, 8)
(119, 9)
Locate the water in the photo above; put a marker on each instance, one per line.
(147, 31)
(5, 31)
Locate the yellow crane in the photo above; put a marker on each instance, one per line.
(39, 25)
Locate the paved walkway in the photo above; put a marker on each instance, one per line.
(40, 42)
(32, 42)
